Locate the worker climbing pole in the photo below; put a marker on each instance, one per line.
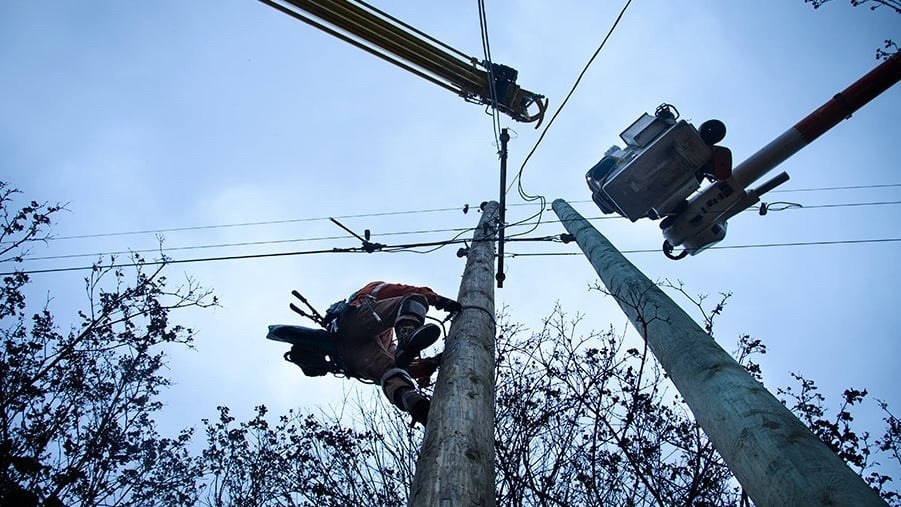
(356, 338)
(456, 462)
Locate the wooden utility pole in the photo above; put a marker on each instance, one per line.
(456, 463)
(773, 455)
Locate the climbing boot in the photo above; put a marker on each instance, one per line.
(413, 340)
(417, 405)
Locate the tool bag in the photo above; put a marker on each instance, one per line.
(334, 312)
(314, 350)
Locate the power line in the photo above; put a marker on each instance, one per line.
(518, 178)
(847, 205)
(186, 261)
(571, 91)
(393, 213)
(409, 247)
(243, 243)
(850, 187)
(460, 231)
(730, 247)
(248, 224)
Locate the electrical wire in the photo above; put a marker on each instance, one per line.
(850, 187)
(729, 247)
(249, 224)
(518, 178)
(453, 240)
(459, 232)
(489, 65)
(394, 213)
(243, 243)
(409, 247)
(569, 95)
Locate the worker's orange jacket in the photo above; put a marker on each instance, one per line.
(381, 290)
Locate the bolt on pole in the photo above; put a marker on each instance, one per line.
(456, 462)
(777, 459)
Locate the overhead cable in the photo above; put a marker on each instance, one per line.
(248, 224)
(412, 212)
(518, 178)
(458, 230)
(568, 95)
(492, 91)
(729, 247)
(409, 247)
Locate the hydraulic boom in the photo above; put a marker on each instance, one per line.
(703, 222)
(659, 172)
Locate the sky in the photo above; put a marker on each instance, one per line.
(205, 115)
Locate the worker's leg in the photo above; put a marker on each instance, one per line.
(365, 356)
(377, 365)
(399, 388)
(413, 335)
(406, 314)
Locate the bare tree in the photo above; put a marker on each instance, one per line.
(583, 418)
(894, 5)
(889, 47)
(586, 419)
(76, 400)
(301, 460)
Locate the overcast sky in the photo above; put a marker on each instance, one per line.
(161, 116)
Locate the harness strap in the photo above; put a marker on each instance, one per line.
(375, 314)
(369, 298)
(375, 291)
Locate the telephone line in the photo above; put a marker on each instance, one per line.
(384, 248)
(249, 224)
(729, 247)
(408, 247)
(396, 213)
(244, 243)
(524, 223)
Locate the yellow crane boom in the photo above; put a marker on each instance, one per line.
(382, 35)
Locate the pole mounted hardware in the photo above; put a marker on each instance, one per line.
(502, 211)
(367, 246)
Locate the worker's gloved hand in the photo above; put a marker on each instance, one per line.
(448, 305)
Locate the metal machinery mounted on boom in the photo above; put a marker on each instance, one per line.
(660, 171)
(382, 35)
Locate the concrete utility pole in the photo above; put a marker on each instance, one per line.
(772, 454)
(456, 462)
